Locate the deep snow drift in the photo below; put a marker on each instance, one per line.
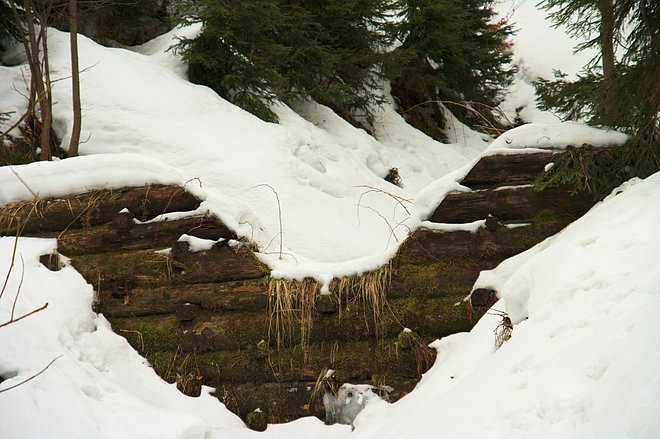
(584, 354)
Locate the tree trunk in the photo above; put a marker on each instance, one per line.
(38, 78)
(75, 79)
(47, 117)
(25, 40)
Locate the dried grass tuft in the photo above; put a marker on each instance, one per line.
(291, 303)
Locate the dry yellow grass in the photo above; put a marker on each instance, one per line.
(291, 303)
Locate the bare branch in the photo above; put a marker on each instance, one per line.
(18, 291)
(24, 315)
(11, 265)
(33, 376)
(279, 210)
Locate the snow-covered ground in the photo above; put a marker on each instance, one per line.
(582, 361)
(583, 358)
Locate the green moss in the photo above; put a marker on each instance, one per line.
(149, 334)
(437, 279)
(433, 317)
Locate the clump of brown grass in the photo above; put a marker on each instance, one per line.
(291, 303)
(424, 355)
(368, 289)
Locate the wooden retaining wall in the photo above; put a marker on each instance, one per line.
(203, 317)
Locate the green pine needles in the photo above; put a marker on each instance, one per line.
(620, 92)
(454, 53)
(256, 52)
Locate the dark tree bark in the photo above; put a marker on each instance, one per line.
(75, 79)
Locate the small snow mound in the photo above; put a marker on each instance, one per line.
(551, 136)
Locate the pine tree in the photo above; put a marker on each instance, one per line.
(453, 53)
(238, 53)
(8, 28)
(621, 93)
(356, 32)
(256, 51)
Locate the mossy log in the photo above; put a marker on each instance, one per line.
(429, 246)
(242, 295)
(507, 169)
(512, 204)
(281, 382)
(119, 272)
(220, 331)
(435, 278)
(131, 236)
(223, 262)
(93, 208)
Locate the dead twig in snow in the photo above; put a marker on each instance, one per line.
(279, 211)
(34, 311)
(33, 376)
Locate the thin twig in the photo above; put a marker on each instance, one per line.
(24, 183)
(18, 291)
(24, 316)
(384, 219)
(279, 210)
(398, 199)
(11, 265)
(131, 331)
(33, 376)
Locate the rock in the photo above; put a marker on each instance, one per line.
(483, 297)
(187, 312)
(492, 223)
(349, 402)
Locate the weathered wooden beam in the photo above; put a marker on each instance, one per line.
(430, 246)
(511, 204)
(507, 169)
(120, 272)
(244, 295)
(93, 208)
(123, 234)
(223, 262)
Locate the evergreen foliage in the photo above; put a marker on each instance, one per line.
(258, 51)
(623, 94)
(122, 20)
(7, 23)
(452, 52)
(255, 52)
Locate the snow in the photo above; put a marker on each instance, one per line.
(196, 244)
(539, 49)
(583, 358)
(535, 137)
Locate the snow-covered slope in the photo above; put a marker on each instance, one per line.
(584, 354)
(319, 166)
